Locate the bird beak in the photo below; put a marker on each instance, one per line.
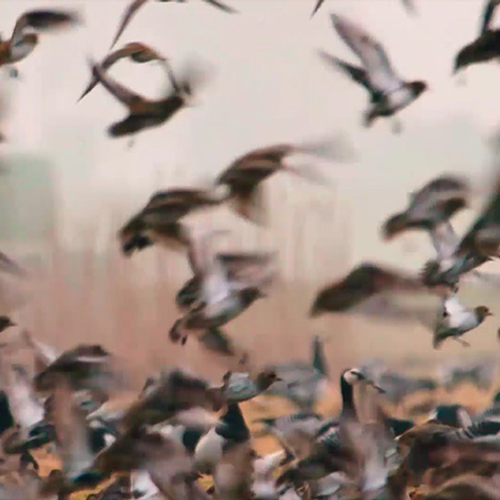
(278, 379)
(375, 386)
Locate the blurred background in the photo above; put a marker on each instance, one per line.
(66, 187)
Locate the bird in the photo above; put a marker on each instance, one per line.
(453, 415)
(137, 52)
(243, 177)
(481, 373)
(389, 94)
(455, 320)
(147, 113)
(135, 5)
(175, 392)
(221, 300)
(23, 41)
(366, 281)
(486, 46)
(303, 383)
(238, 387)
(158, 221)
(247, 267)
(430, 207)
(468, 253)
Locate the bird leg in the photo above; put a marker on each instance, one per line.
(131, 142)
(461, 341)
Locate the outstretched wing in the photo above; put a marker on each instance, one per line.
(122, 93)
(41, 20)
(373, 56)
(128, 15)
(356, 73)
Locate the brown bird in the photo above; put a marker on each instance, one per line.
(23, 42)
(148, 113)
(362, 283)
(175, 392)
(135, 5)
(431, 206)
(135, 51)
(245, 175)
(158, 221)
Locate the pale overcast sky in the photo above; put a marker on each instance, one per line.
(268, 85)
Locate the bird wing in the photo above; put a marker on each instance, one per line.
(221, 6)
(317, 6)
(127, 16)
(489, 10)
(444, 239)
(357, 74)
(119, 91)
(10, 266)
(373, 56)
(109, 61)
(42, 20)
(361, 283)
(490, 216)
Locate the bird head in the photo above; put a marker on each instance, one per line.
(483, 312)
(418, 87)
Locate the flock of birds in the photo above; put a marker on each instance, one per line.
(180, 427)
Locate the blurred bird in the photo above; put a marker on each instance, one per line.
(147, 113)
(175, 393)
(430, 207)
(221, 299)
(470, 252)
(239, 387)
(486, 46)
(135, 5)
(23, 41)
(243, 267)
(158, 221)
(303, 383)
(456, 320)
(362, 283)
(135, 51)
(389, 94)
(244, 176)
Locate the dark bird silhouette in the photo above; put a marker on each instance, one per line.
(486, 46)
(147, 113)
(388, 92)
(135, 51)
(363, 282)
(430, 206)
(23, 40)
